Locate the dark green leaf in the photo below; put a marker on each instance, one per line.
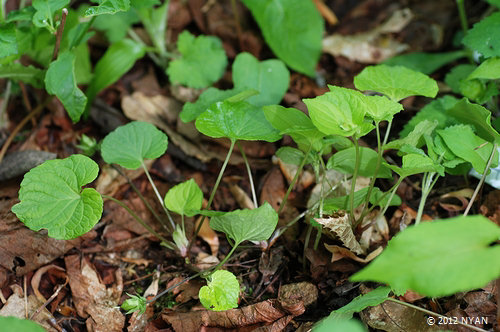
(415, 137)
(12, 323)
(458, 74)
(115, 26)
(24, 14)
(426, 63)
(328, 325)
(8, 40)
(45, 10)
(190, 111)
(344, 161)
(60, 80)
(290, 155)
(343, 203)
(415, 164)
(484, 36)
(27, 74)
(298, 45)
(439, 258)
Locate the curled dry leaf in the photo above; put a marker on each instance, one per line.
(462, 195)
(35, 281)
(254, 316)
(339, 252)
(339, 224)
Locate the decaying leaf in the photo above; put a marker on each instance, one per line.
(340, 252)
(340, 225)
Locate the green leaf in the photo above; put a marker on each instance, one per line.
(328, 325)
(290, 155)
(298, 45)
(221, 292)
(435, 111)
(415, 164)
(344, 161)
(130, 144)
(439, 258)
(27, 74)
(202, 62)
(484, 36)
(117, 60)
(270, 78)
(236, 121)
(380, 108)
(51, 197)
(12, 323)
(426, 63)
(338, 112)
(135, 303)
(184, 198)
(24, 14)
(115, 26)
(477, 116)
(457, 74)
(342, 203)
(8, 40)
(469, 146)
(155, 22)
(295, 123)
(395, 82)
(108, 7)
(139, 4)
(45, 10)
(190, 111)
(247, 225)
(489, 69)
(415, 137)
(60, 80)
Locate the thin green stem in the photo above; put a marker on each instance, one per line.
(221, 263)
(463, 15)
(3, 108)
(427, 183)
(306, 244)
(249, 171)
(214, 189)
(393, 192)
(483, 177)
(387, 132)
(353, 182)
(151, 55)
(2, 11)
(158, 196)
(182, 224)
(137, 218)
(432, 313)
(294, 180)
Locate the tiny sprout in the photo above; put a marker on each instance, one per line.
(135, 303)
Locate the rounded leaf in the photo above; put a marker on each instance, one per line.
(130, 144)
(12, 323)
(236, 121)
(51, 197)
(221, 292)
(185, 198)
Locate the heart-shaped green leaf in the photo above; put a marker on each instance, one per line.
(51, 197)
(221, 292)
(395, 82)
(344, 161)
(247, 225)
(11, 323)
(202, 63)
(439, 258)
(190, 111)
(270, 78)
(236, 121)
(185, 198)
(381, 108)
(338, 112)
(130, 144)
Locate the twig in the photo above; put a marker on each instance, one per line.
(51, 298)
(59, 33)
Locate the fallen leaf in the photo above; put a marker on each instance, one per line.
(339, 224)
(35, 280)
(339, 252)
(291, 294)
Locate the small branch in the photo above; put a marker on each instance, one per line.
(59, 33)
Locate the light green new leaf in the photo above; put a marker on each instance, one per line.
(185, 198)
(221, 292)
(130, 144)
(328, 325)
(236, 121)
(190, 111)
(45, 10)
(108, 7)
(439, 258)
(51, 197)
(426, 63)
(338, 112)
(489, 69)
(395, 82)
(477, 116)
(469, 147)
(380, 108)
(60, 80)
(298, 45)
(27, 74)
(202, 62)
(344, 161)
(117, 60)
(247, 225)
(8, 40)
(415, 164)
(484, 36)
(270, 78)
(11, 323)
(415, 137)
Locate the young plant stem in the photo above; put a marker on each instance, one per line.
(463, 15)
(387, 132)
(393, 192)
(432, 313)
(380, 151)
(479, 185)
(252, 187)
(151, 55)
(143, 199)
(182, 224)
(427, 184)
(59, 33)
(306, 244)
(294, 180)
(158, 195)
(3, 107)
(353, 182)
(214, 189)
(137, 218)
(2, 11)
